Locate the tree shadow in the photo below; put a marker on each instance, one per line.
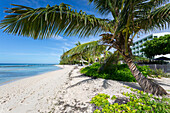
(121, 100)
(132, 85)
(80, 76)
(105, 84)
(81, 82)
(159, 82)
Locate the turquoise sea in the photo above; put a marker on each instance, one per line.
(12, 72)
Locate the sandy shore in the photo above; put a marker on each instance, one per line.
(32, 94)
(61, 91)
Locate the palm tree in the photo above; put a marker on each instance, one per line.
(129, 18)
(88, 50)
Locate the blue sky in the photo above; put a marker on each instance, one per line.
(18, 49)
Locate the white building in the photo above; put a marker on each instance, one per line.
(137, 45)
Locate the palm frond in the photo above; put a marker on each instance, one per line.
(85, 48)
(158, 18)
(46, 22)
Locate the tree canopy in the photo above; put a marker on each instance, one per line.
(157, 46)
(129, 16)
(86, 51)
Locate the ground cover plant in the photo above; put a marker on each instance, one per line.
(119, 72)
(137, 102)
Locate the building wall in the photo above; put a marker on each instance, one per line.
(137, 45)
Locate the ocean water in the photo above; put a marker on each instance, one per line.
(12, 72)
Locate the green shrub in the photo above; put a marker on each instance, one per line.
(119, 72)
(159, 73)
(146, 71)
(138, 102)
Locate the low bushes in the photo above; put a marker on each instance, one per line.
(120, 72)
(137, 102)
(158, 73)
(114, 72)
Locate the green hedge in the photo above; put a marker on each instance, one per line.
(115, 72)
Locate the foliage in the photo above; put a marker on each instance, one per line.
(119, 72)
(138, 102)
(45, 22)
(157, 46)
(140, 59)
(86, 51)
(158, 73)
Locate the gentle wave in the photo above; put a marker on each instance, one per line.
(24, 65)
(12, 72)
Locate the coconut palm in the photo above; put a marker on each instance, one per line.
(129, 18)
(85, 50)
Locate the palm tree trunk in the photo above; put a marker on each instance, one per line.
(146, 84)
(82, 61)
(108, 63)
(89, 61)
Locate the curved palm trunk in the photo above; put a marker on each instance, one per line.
(147, 85)
(109, 62)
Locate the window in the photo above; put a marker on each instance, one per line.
(155, 36)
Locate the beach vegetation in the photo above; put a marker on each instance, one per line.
(120, 72)
(84, 53)
(135, 102)
(129, 18)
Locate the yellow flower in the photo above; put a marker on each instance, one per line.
(128, 108)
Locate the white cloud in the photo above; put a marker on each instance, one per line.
(65, 48)
(67, 44)
(58, 38)
(31, 2)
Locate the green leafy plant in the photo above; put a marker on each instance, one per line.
(138, 102)
(119, 72)
(158, 73)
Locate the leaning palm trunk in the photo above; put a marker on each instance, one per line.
(108, 63)
(146, 84)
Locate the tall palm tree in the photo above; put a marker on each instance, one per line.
(129, 18)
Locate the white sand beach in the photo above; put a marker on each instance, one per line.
(61, 91)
